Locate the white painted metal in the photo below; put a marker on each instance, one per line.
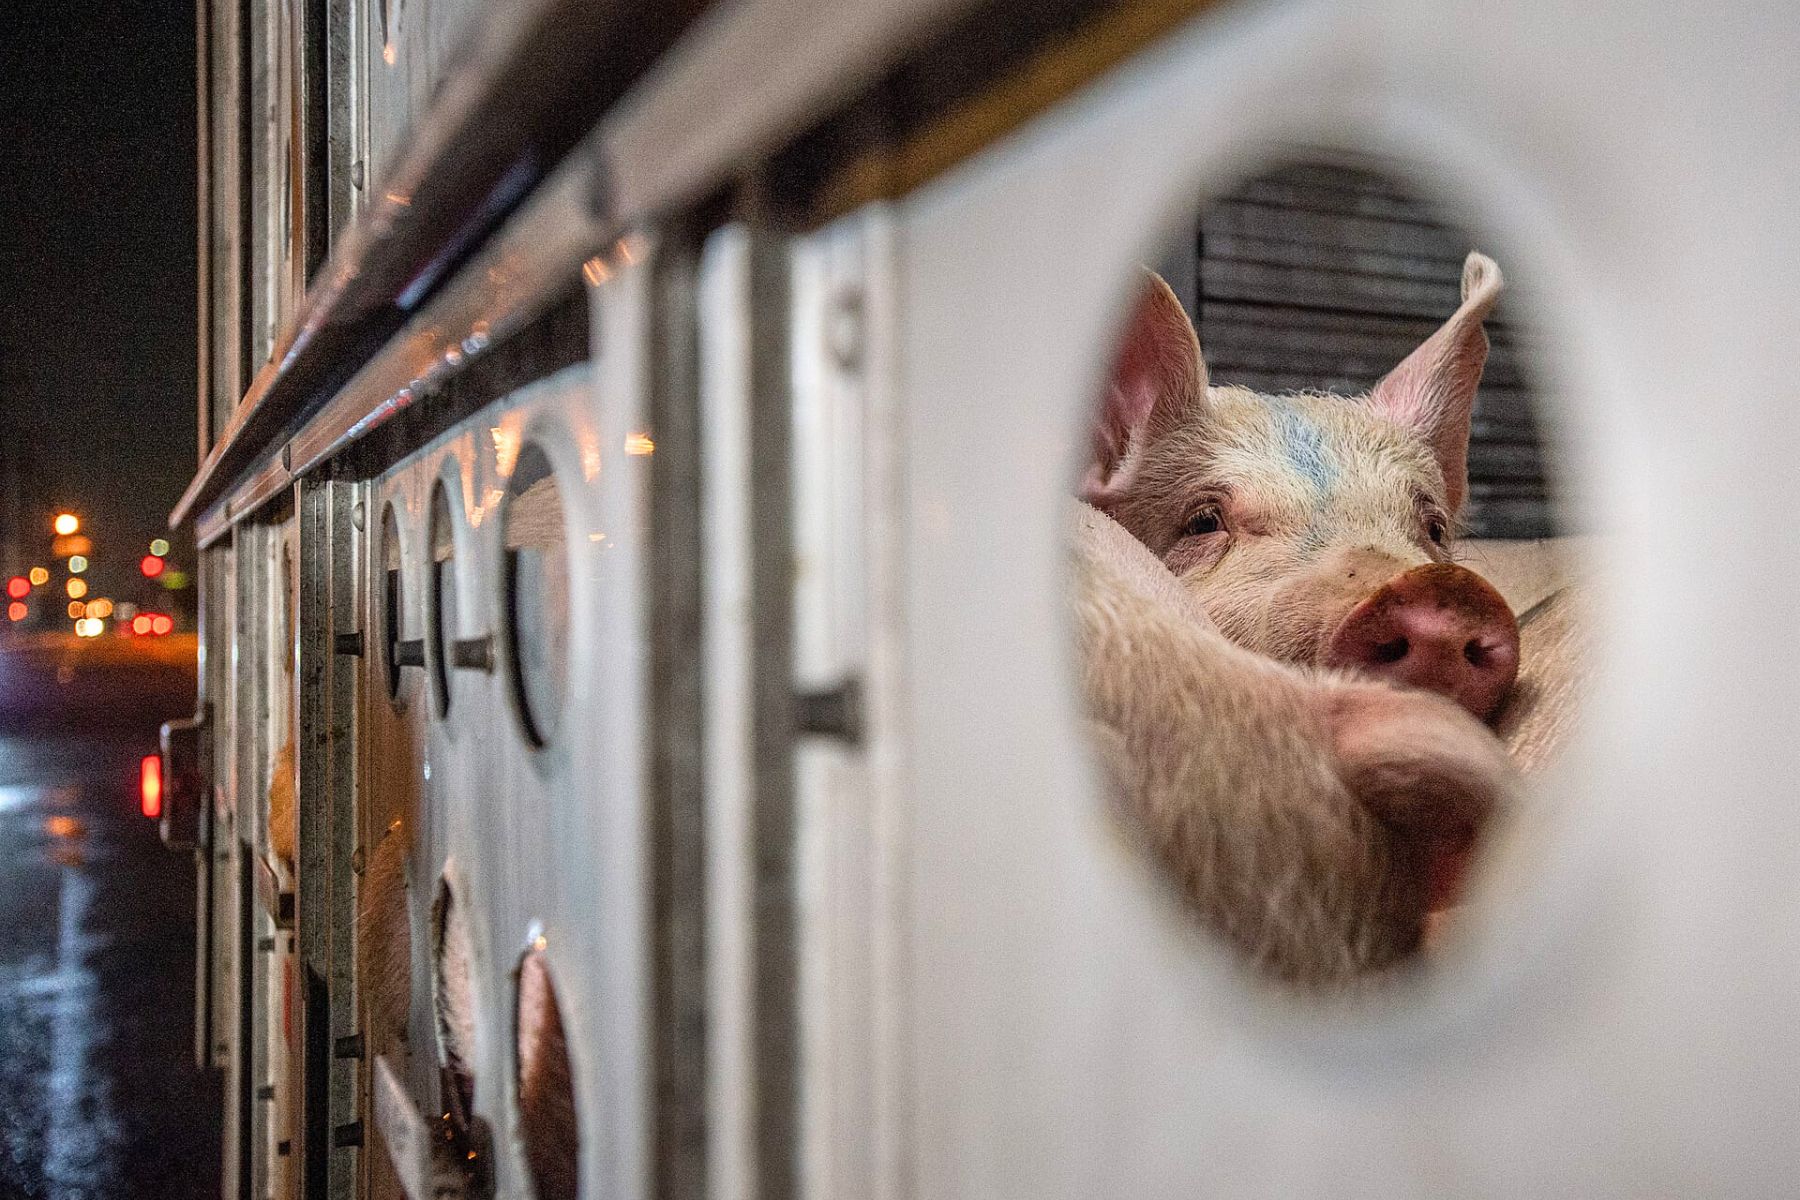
(532, 841)
(405, 47)
(1618, 1021)
(846, 623)
(617, 1129)
(729, 729)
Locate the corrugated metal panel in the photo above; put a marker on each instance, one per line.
(1323, 275)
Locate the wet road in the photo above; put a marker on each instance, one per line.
(99, 1095)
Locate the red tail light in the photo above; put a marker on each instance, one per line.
(150, 785)
(161, 623)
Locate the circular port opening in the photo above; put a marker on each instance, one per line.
(393, 609)
(537, 594)
(453, 1004)
(441, 611)
(547, 1116)
(1318, 441)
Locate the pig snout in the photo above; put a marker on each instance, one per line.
(1439, 627)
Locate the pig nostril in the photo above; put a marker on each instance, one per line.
(1388, 652)
(1475, 652)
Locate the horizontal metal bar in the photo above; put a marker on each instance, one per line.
(529, 83)
(473, 654)
(742, 84)
(746, 83)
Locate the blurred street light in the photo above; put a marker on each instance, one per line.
(66, 523)
(77, 564)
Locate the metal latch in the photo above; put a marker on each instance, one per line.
(184, 787)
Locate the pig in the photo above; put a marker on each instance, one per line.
(1315, 819)
(1545, 706)
(547, 1116)
(547, 1120)
(384, 937)
(1312, 527)
(283, 813)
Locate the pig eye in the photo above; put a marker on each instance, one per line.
(1207, 520)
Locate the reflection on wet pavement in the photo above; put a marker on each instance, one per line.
(99, 1095)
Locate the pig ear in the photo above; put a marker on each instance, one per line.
(1432, 392)
(1158, 378)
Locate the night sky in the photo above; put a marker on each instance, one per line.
(97, 259)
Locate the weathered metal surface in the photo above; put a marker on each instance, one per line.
(530, 82)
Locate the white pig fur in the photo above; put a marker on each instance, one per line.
(1294, 808)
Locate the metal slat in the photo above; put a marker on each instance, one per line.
(1272, 341)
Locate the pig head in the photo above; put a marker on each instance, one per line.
(1314, 820)
(1313, 527)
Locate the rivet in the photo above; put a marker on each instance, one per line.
(844, 329)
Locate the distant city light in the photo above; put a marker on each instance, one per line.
(39, 577)
(77, 543)
(18, 587)
(175, 580)
(16, 611)
(140, 624)
(101, 608)
(77, 588)
(88, 627)
(161, 623)
(77, 610)
(160, 547)
(151, 565)
(77, 564)
(66, 523)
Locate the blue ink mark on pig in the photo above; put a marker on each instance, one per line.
(1304, 446)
